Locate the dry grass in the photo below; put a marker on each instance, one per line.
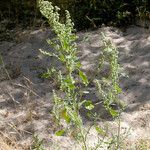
(143, 144)
(7, 144)
(140, 144)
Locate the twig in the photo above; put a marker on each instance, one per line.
(13, 98)
(6, 136)
(20, 85)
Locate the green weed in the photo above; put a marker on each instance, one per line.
(67, 99)
(108, 86)
(67, 106)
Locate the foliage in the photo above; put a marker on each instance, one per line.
(91, 13)
(67, 99)
(67, 106)
(108, 86)
(18, 12)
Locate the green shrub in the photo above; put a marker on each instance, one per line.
(93, 13)
(85, 13)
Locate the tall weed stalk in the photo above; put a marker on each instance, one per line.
(108, 86)
(66, 104)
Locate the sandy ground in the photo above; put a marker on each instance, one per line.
(26, 99)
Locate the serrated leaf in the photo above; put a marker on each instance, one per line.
(60, 132)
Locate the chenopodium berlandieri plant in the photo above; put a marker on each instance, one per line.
(66, 105)
(108, 87)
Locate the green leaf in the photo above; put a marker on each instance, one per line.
(118, 89)
(60, 133)
(83, 77)
(69, 83)
(65, 116)
(49, 73)
(78, 64)
(113, 112)
(88, 105)
(62, 57)
(45, 75)
(100, 130)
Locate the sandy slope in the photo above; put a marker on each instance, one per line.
(26, 99)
